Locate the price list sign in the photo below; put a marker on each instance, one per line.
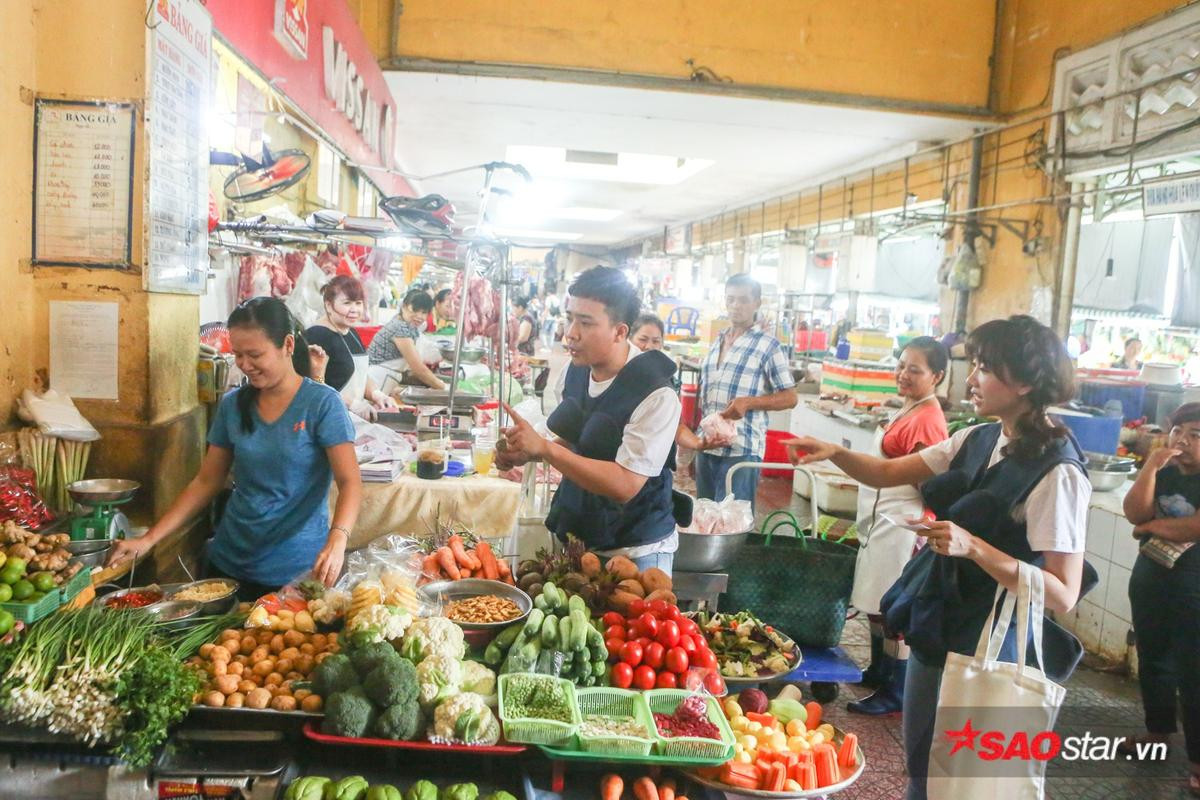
(177, 133)
(82, 183)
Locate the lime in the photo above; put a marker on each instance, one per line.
(16, 563)
(43, 581)
(22, 590)
(9, 576)
(6, 622)
(33, 598)
(5, 593)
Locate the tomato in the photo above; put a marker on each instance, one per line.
(647, 624)
(714, 683)
(688, 626)
(644, 677)
(677, 660)
(666, 680)
(687, 644)
(631, 632)
(621, 675)
(704, 659)
(614, 632)
(645, 641)
(674, 613)
(668, 634)
(700, 642)
(631, 653)
(637, 608)
(612, 618)
(658, 607)
(653, 655)
(614, 647)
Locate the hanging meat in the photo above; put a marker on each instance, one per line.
(483, 308)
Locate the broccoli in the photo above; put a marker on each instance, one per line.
(401, 721)
(371, 655)
(348, 713)
(334, 674)
(393, 681)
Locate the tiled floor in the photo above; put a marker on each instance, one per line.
(1097, 701)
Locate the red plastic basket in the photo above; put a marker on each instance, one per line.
(776, 453)
(502, 749)
(366, 333)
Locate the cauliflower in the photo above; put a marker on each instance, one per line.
(328, 608)
(478, 679)
(465, 719)
(438, 677)
(382, 622)
(433, 636)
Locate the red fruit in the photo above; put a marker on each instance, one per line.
(631, 653)
(688, 626)
(614, 632)
(704, 659)
(700, 642)
(647, 624)
(621, 675)
(614, 647)
(677, 660)
(714, 683)
(644, 677)
(687, 644)
(658, 607)
(668, 634)
(674, 613)
(653, 655)
(612, 618)
(644, 641)
(637, 608)
(631, 632)
(666, 680)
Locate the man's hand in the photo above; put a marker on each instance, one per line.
(737, 408)
(522, 440)
(1160, 458)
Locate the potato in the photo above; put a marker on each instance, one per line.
(289, 653)
(235, 700)
(654, 579)
(308, 649)
(246, 686)
(631, 586)
(230, 633)
(219, 653)
(277, 643)
(226, 684)
(285, 625)
(294, 676)
(248, 644)
(304, 664)
(319, 641)
(273, 688)
(300, 694)
(259, 698)
(264, 635)
(283, 702)
(264, 668)
(260, 654)
(293, 638)
(206, 650)
(620, 600)
(312, 704)
(237, 668)
(331, 638)
(218, 668)
(622, 567)
(321, 657)
(663, 594)
(283, 665)
(590, 564)
(275, 677)
(214, 699)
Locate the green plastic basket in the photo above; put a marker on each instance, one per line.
(529, 730)
(665, 701)
(71, 589)
(32, 612)
(609, 702)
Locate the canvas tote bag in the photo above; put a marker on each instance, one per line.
(991, 736)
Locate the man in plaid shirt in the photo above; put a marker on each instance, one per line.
(745, 375)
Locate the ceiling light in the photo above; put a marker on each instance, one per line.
(526, 233)
(585, 214)
(558, 162)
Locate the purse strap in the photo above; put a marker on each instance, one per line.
(1029, 602)
(789, 521)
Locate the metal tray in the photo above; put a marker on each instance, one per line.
(431, 397)
(824, 791)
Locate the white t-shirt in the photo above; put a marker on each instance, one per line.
(1055, 512)
(645, 443)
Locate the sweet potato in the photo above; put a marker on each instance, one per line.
(622, 567)
(589, 563)
(620, 600)
(654, 579)
(663, 594)
(631, 586)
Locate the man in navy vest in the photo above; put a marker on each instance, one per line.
(614, 428)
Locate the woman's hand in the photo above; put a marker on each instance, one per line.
(382, 401)
(814, 450)
(1160, 458)
(947, 539)
(328, 565)
(318, 360)
(126, 549)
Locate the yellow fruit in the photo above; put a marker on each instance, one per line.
(826, 729)
(744, 758)
(815, 738)
(737, 748)
(791, 786)
(732, 709)
(739, 723)
(754, 727)
(779, 741)
(748, 742)
(798, 744)
(796, 728)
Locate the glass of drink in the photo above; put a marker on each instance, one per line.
(483, 451)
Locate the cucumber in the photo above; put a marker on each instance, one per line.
(551, 593)
(579, 629)
(599, 668)
(541, 603)
(595, 639)
(575, 603)
(550, 631)
(565, 633)
(498, 647)
(533, 623)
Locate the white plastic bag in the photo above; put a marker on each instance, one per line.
(728, 516)
(55, 415)
(374, 442)
(718, 430)
(429, 351)
(305, 301)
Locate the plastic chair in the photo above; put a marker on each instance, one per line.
(683, 318)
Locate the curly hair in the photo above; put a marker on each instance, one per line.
(1022, 350)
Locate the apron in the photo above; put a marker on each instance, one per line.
(886, 548)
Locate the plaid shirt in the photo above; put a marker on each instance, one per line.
(754, 365)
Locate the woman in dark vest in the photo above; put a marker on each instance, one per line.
(1004, 492)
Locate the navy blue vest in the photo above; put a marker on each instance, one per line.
(940, 603)
(593, 427)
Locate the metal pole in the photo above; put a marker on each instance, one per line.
(466, 288)
(502, 356)
(1065, 294)
(963, 298)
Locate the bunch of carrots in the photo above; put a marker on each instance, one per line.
(455, 561)
(612, 787)
(822, 766)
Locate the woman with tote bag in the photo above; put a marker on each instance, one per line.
(1003, 493)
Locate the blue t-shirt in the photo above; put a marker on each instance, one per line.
(278, 518)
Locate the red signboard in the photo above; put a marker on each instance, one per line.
(339, 84)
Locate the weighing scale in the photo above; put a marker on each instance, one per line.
(96, 515)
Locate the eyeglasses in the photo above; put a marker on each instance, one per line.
(1185, 435)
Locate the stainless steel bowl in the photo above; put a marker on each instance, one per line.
(174, 612)
(218, 605)
(102, 600)
(1102, 462)
(708, 552)
(469, 355)
(1103, 481)
(89, 552)
(445, 592)
(102, 490)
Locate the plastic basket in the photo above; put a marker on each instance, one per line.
(71, 589)
(32, 612)
(529, 730)
(665, 701)
(610, 702)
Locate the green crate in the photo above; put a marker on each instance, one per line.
(665, 701)
(611, 702)
(539, 731)
(71, 589)
(32, 612)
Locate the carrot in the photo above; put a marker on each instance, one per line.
(446, 559)
(505, 570)
(491, 570)
(814, 715)
(744, 776)
(611, 787)
(709, 773)
(766, 720)
(666, 789)
(455, 543)
(776, 778)
(808, 777)
(644, 789)
(429, 566)
(825, 759)
(847, 756)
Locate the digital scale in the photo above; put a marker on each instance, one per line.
(97, 514)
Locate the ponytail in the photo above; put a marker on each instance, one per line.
(273, 318)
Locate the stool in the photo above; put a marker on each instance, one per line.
(683, 318)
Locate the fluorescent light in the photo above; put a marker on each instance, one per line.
(528, 233)
(553, 162)
(585, 214)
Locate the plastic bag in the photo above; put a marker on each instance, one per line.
(55, 415)
(284, 610)
(374, 442)
(718, 430)
(19, 500)
(728, 516)
(429, 350)
(391, 565)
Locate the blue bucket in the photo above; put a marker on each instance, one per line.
(1094, 434)
(1131, 396)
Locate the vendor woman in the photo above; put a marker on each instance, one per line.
(284, 437)
(615, 429)
(346, 368)
(886, 546)
(1002, 493)
(393, 351)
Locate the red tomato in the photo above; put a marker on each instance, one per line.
(668, 634)
(614, 632)
(677, 660)
(645, 641)
(658, 607)
(631, 653)
(666, 680)
(644, 677)
(631, 632)
(687, 644)
(714, 683)
(621, 675)
(653, 655)
(674, 613)
(704, 659)
(688, 626)
(637, 608)
(647, 625)
(700, 642)
(614, 647)
(612, 618)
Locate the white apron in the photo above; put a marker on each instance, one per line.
(885, 548)
(356, 388)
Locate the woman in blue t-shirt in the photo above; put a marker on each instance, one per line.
(1164, 588)
(284, 437)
